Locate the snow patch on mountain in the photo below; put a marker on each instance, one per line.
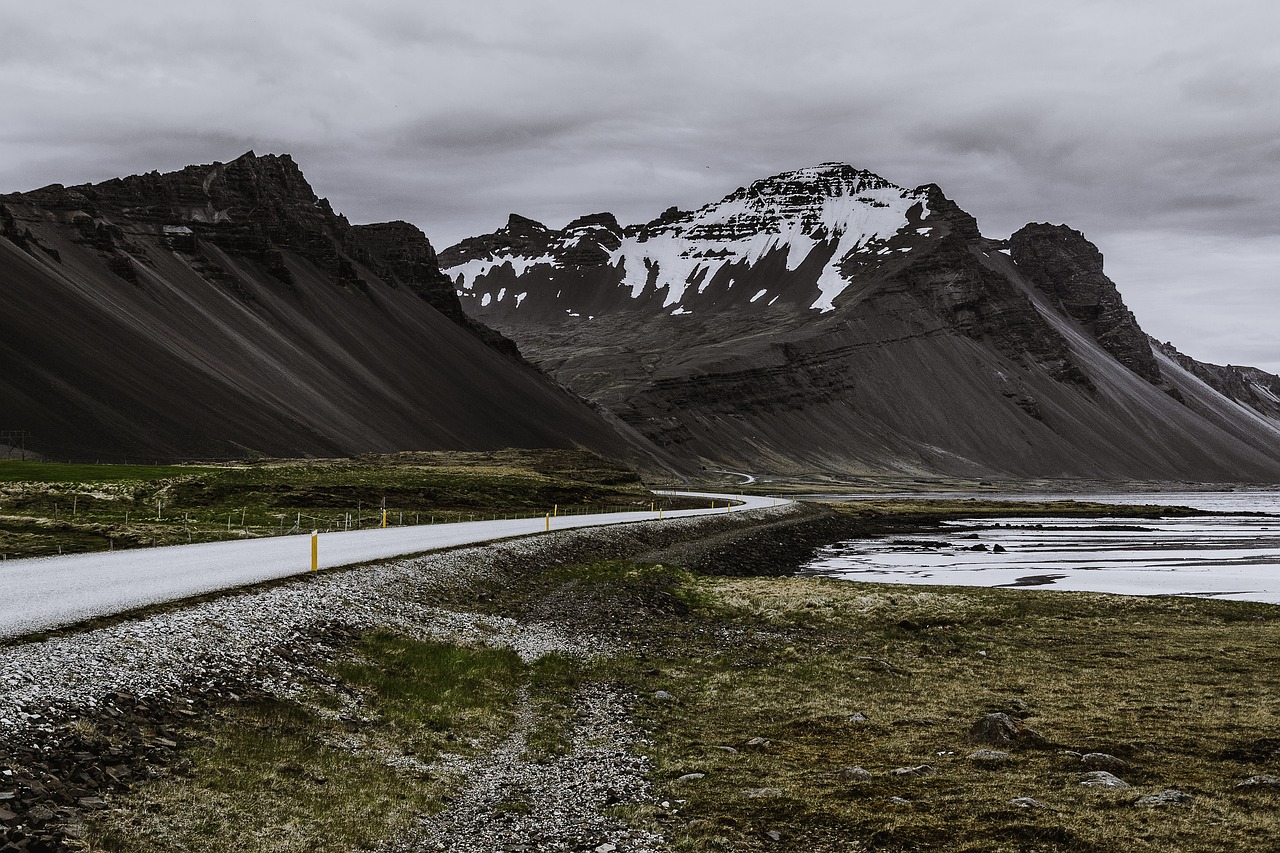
(794, 212)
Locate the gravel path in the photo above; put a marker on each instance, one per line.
(510, 804)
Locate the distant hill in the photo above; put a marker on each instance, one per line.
(826, 320)
(225, 311)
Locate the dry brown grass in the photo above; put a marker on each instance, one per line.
(1187, 691)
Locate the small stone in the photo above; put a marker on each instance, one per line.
(1026, 803)
(40, 814)
(662, 695)
(918, 770)
(989, 755)
(759, 742)
(854, 774)
(773, 835)
(754, 793)
(606, 848)
(1259, 781)
(900, 800)
(1168, 797)
(726, 749)
(1000, 728)
(691, 777)
(1102, 779)
(1103, 761)
(857, 717)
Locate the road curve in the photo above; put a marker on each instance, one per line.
(42, 593)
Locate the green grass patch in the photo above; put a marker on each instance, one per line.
(276, 775)
(428, 692)
(49, 508)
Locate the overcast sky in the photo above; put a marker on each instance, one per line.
(1151, 126)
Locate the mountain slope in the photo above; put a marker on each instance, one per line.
(225, 310)
(826, 320)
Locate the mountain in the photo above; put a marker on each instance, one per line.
(826, 320)
(225, 310)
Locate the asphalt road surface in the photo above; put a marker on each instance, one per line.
(42, 593)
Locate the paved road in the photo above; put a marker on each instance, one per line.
(49, 592)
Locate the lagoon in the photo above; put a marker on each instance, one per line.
(1235, 556)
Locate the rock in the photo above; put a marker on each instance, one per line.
(854, 774)
(857, 717)
(1027, 803)
(1000, 728)
(1068, 268)
(662, 696)
(726, 749)
(759, 742)
(989, 755)
(918, 770)
(755, 793)
(1103, 761)
(691, 777)
(1102, 779)
(900, 800)
(606, 848)
(1259, 781)
(773, 835)
(1168, 797)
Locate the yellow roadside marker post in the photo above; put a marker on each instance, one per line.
(659, 513)
(315, 550)
(384, 518)
(555, 509)
(548, 523)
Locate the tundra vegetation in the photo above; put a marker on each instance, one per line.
(50, 508)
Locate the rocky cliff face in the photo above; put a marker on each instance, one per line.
(826, 319)
(227, 310)
(1068, 268)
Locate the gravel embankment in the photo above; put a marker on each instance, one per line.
(270, 638)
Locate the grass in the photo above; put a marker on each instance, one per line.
(1186, 691)
(277, 775)
(49, 508)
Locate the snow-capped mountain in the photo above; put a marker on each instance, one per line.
(808, 228)
(826, 319)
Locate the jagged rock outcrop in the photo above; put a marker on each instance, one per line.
(226, 310)
(828, 320)
(1068, 268)
(1248, 386)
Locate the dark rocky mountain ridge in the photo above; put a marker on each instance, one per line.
(827, 320)
(226, 310)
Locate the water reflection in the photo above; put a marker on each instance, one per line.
(1234, 556)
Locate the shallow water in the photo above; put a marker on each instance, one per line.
(1235, 557)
